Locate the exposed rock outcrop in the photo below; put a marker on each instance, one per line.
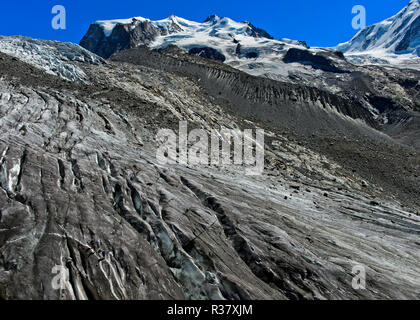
(208, 53)
(315, 60)
(123, 36)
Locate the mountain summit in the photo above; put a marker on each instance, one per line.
(392, 39)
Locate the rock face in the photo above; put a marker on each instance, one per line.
(78, 166)
(305, 57)
(123, 36)
(208, 53)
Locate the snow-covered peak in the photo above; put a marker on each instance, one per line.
(395, 38)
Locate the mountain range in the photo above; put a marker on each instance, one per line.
(251, 49)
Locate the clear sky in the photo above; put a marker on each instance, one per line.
(319, 23)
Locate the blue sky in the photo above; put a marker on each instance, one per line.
(319, 23)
